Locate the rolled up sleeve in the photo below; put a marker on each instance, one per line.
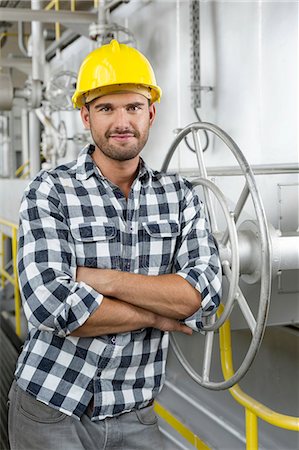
(197, 259)
(52, 299)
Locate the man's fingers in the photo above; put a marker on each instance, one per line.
(186, 330)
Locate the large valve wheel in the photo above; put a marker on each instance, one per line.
(228, 249)
(60, 89)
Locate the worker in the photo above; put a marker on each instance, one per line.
(112, 257)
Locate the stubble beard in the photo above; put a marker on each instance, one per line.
(121, 152)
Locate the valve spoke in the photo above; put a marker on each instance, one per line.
(247, 313)
(208, 352)
(203, 173)
(238, 208)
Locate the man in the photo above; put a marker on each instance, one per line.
(112, 256)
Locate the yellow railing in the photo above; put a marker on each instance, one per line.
(253, 408)
(18, 172)
(181, 428)
(55, 4)
(13, 279)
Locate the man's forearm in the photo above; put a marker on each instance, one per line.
(168, 295)
(114, 316)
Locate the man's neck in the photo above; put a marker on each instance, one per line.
(120, 173)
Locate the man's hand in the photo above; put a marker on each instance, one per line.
(166, 324)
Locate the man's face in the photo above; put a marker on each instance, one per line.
(119, 124)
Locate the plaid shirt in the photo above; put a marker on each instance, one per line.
(73, 216)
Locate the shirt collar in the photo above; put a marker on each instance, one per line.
(86, 166)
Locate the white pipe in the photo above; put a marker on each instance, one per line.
(34, 138)
(38, 45)
(285, 253)
(5, 152)
(25, 135)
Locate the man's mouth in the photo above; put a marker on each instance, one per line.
(121, 136)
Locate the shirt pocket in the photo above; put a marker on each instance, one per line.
(97, 244)
(157, 246)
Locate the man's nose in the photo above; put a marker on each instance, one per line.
(121, 119)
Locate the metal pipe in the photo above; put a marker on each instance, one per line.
(38, 46)
(28, 15)
(21, 42)
(34, 139)
(4, 147)
(235, 171)
(25, 135)
(66, 38)
(285, 253)
(102, 12)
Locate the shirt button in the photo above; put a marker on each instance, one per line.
(113, 340)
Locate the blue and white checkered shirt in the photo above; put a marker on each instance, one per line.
(73, 216)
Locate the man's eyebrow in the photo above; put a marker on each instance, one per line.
(110, 105)
(103, 105)
(136, 104)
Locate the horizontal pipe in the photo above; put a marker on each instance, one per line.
(285, 253)
(228, 171)
(29, 15)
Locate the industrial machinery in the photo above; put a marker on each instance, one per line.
(231, 64)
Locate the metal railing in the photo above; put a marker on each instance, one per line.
(5, 276)
(20, 172)
(253, 408)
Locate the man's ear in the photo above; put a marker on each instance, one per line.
(85, 117)
(152, 113)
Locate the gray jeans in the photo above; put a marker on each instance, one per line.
(36, 426)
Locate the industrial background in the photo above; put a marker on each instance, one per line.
(228, 121)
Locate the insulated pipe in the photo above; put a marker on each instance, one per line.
(38, 46)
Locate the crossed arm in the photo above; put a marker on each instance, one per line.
(133, 301)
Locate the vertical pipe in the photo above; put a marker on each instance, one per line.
(251, 431)
(34, 139)
(102, 14)
(57, 24)
(5, 152)
(25, 135)
(38, 62)
(38, 45)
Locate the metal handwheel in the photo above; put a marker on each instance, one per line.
(229, 254)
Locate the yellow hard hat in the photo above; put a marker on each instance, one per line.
(115, 67)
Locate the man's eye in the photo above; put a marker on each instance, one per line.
(105, 109)
(133, 108)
